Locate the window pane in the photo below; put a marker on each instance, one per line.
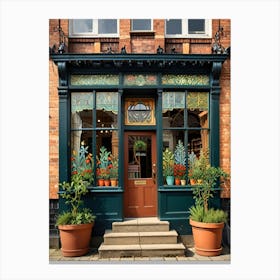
(141, 24)
(81, 109)
(140, 159)
(196, 26)
(173, 26)
(82, 26)
(107, 26)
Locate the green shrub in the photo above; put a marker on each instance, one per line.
(198, 214)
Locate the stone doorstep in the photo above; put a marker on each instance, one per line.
(145, 250)
(141, 224)
(126, 238)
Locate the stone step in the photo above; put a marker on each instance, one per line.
(145, 250)
(141, 225)
(126, 238)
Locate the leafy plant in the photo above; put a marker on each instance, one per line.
(72, 193)
(103, 160)
(139, 145)
(168, 162)
(197, 213)
(180, 153)
(82, 163)
(114, 166)
(180, 171)
(208, 176)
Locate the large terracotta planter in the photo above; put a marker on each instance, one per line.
(207, 238)
(75, 239)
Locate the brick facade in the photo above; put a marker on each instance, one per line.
(147, 42)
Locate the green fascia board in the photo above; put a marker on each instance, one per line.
(72, 57)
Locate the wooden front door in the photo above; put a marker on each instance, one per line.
(140, 191)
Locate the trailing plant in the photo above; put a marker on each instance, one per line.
(72, 193)
(208, 176)
(139, 145)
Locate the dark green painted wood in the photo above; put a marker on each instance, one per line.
(175, 203)
(64, 123)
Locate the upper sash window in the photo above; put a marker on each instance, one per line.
(189, 28)
(93, 27)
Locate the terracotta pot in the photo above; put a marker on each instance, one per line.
(177, 181)
(101, 182)
(193, 182)
(207, 238)
(107, 182)
(75, 239)
(114, 182)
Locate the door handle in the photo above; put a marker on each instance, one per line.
(154, 173)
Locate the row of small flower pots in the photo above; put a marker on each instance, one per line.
(107, 182)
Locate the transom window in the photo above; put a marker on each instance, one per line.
(93, 27)
(192, 28)
(141, 25)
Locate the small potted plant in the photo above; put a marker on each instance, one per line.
(180, 162)
(114, 170)
(75, 225)
(103, 162)
(192, 162)
(168, 166)
(207, 223)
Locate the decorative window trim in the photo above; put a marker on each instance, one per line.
(94, 33)
(185, 34)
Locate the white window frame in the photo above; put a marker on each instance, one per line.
(94, 32)
(185, 34)
(144, 30)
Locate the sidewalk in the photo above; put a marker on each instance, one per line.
(55, 257)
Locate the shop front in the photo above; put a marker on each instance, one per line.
(126, 109)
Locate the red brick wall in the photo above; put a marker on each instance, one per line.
(53, 115)
(225, 109)
(140, 43)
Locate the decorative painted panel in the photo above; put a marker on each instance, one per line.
(140, 111)
(94, 80)
(185, 80)
(173, 100)
(107, 101)
(140, 80)
(197, 100)
(81, 101)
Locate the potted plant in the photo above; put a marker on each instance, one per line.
(168, 166)
(103, 162)
(139, 146)
(191, 164)
(114, 170)
(207, 223)
(180, 162)
(75, 225)
(81, 162)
